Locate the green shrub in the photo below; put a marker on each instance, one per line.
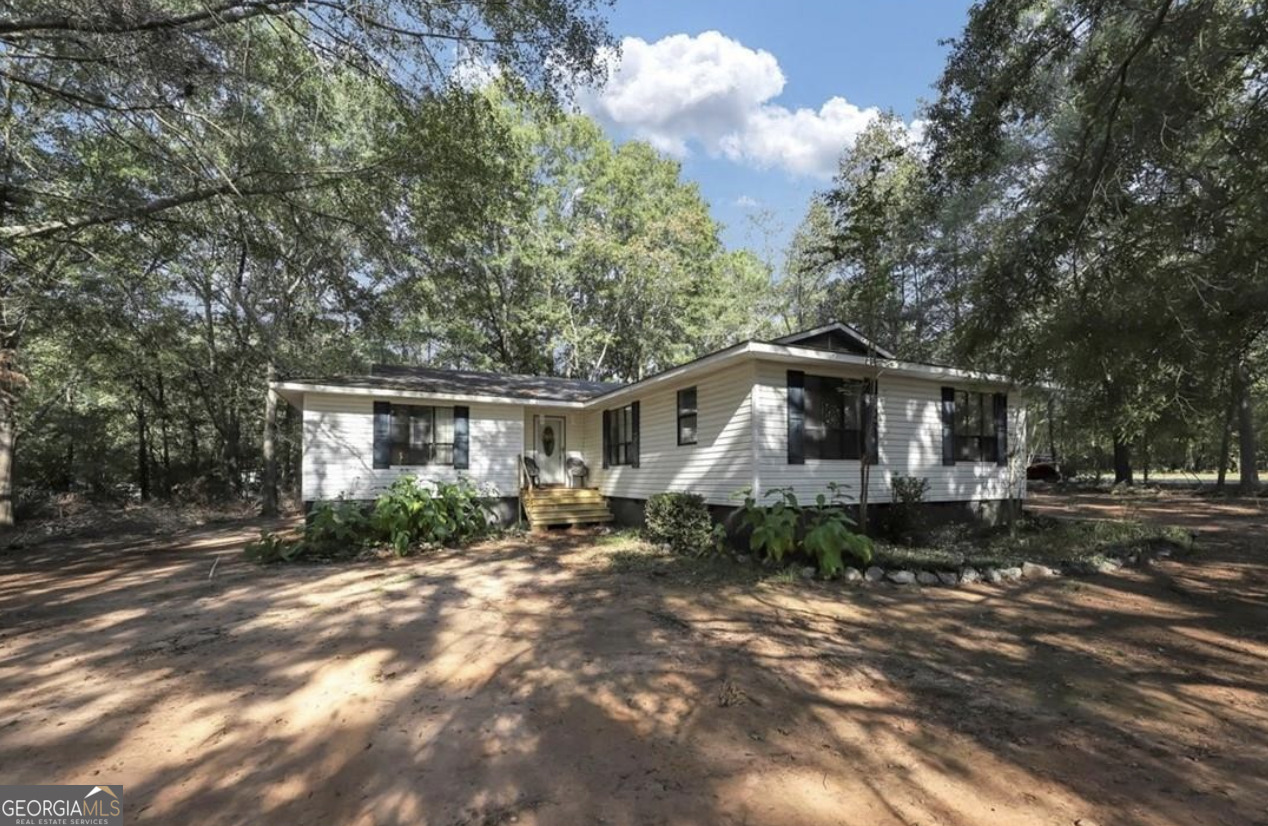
(338, 527)
(827, 537)
(774, 527)
(439, 512)
(682, 521)
(271, 548)
(904, 521)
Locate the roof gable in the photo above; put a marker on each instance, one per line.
(835, 337)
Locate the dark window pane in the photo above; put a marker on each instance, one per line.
(687, 401)
(687, 430)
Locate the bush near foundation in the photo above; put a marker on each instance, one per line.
(681, 521)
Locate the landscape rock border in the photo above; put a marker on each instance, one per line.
(968, 575)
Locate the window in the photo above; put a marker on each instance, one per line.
(975, 439)
(834, 421)
(687, 416)
(622, 436)
(422, 435)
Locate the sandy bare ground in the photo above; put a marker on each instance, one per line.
(530, 682)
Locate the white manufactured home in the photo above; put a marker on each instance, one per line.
(799, 411)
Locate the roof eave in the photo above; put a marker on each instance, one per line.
(294, 391)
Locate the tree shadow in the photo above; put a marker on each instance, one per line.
(526, 681)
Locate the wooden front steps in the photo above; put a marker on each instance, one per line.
(546, 507)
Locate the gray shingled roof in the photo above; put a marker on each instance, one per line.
(473, 382)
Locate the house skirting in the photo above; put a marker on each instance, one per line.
(990, 512)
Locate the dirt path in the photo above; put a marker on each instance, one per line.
(530, 682)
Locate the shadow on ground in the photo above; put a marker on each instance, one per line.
(532, 681)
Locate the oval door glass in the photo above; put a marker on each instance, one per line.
(548, 440)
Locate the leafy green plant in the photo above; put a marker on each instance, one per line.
(775, 526)
(828, 536)
(439, 512)
(271, 548)
(682, 521)
(904, 520)
(338, 526)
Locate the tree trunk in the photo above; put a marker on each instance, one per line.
(1226, 438)
(1122, 461)
(1052, 438)
(142, 448)
(165, 438)
(268, 487)
(1248, 460)
(6, 460)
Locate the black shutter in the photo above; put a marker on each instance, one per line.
(871, 428)
(1001, 428)
(796, 417)
(461, 438)
(948, 425)
(382, 434)
(607, 421)
(634, 436)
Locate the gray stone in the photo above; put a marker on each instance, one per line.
(901, 577)
(1163, 553)
(994, 575)
(852, 575)
(969, 575)
(949, 578)
(1010, 574)
(743, 559)
(808, 572)
(875, 574)
(1033, 570)
(927, 578)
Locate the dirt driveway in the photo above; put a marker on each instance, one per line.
(534, 682)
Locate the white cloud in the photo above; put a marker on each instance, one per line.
(746, 202)
(714, 92)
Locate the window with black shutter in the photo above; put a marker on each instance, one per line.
(622, 436)
(687, 416)
(422, 435)
(833, 418)
(975, 435)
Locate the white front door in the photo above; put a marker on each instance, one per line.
(551, 450)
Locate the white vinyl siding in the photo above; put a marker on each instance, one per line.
(339, 448)
(910, 429)
(716, 466)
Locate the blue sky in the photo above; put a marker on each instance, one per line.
(758, 98)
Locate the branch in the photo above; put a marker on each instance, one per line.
(232, 11)
(28, 231)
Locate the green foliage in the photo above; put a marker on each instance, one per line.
(827, 537)
(1034, 539)
(340, 526)
(682, 521)
(775, 527)
(411, 512)
(270, 549)
(908, 493)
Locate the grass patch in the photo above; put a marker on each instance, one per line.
(1035, 539)
(620, 538)
(636, 557)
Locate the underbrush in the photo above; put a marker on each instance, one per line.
(1042, 540)
(73, 516)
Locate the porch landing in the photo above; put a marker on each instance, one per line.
(552, 506)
